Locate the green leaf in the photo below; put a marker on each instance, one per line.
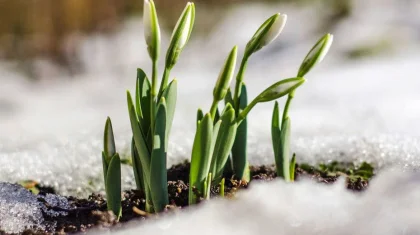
(109, 142)
(137, 169)
(139, 140)
(292, 168)
(275, 130)
(224, 143)
(239, 150)
(113, 186)
(207, 187)
(200, 158)
(200, 115)
(104, 165)
(143, 88)
(222, 188)
(158, 178)
(282, 161)
(228, 97)
(170, 94)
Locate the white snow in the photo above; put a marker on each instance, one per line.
(389, 207)
(20, 209)
(365, 110)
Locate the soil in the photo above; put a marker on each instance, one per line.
(91, 212)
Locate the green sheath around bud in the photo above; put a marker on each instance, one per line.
(180, 35)
(316, 54)
(279, 89)
(225, 76)
(273, 92)
(266, 33)
(151, 29)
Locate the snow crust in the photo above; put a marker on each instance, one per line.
(20, 209)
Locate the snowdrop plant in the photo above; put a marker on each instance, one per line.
(280, 128)
(215, 137)
(151, 114)
(112, 171)
(264, 35)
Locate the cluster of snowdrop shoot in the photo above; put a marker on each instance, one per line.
(220, 142)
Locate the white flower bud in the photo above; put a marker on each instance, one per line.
(316, 54)
(181, 34)
(266, 33)
(225, 76)
(151, 29)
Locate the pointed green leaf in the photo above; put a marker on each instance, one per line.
(222, 188)
(200, 115)
(109, 142)
(239, 149)
(113, 186)
(292, 168)
(139, 140)
(228, 97)
(224, 142)
(143, 100)
(104, 166)
(275, 130)
(170, 94)
(137, 169)
(158, 179)
(207, 186)
(282, 162)
(200, 158)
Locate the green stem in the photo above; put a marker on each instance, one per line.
(213, 109)
(164, 82)
(242, 115)
(287, 105)
(153, 93)
(239, 79)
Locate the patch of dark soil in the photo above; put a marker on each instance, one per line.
(91, 212)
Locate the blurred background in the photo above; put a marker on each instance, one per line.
(71, 60)
(37, 37)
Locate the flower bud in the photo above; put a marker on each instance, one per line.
(180, 35)
(316, 54)
(267, 32)
(151, 29)
(279, 89)
(225, 76)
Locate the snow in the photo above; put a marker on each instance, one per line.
(364, 110)
(20, 209)
(389, 207)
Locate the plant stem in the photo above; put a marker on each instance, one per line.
(286, 106)
(153, 93)
(164, 82)
(213, 108)
(242, 115)
(239, 79)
